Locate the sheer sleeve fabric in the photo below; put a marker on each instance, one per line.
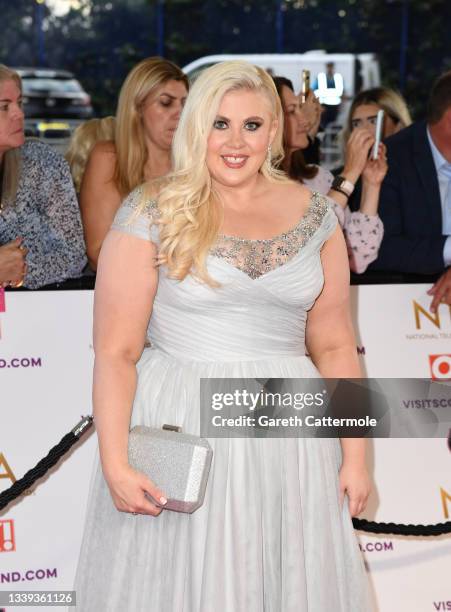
(138, 215)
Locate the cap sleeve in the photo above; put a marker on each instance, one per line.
(138, 216)
(321, 220)
(330, 221)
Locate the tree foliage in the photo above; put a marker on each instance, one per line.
(102, 40)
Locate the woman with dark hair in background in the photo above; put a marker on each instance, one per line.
(40, 226)
(149, 107)
(363, 229)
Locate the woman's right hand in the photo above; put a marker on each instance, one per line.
(128, 489)
(376, 169)
(12, 263)
(357, 150)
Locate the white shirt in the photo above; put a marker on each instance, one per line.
(444, 183)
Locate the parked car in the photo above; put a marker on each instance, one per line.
(54, 94)
(48, 129)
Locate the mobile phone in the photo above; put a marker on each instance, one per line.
(305, 85)
(379, 126)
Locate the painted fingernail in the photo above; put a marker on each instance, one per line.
(163, 500)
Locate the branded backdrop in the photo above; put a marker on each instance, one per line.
(46, 360)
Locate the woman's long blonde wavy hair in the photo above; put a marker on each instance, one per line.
(82, 142)
(131, 150)
(12, 159)
(190, 215)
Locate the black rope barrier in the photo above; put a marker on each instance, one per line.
(66, 443)
(400, 529)
(41, 468)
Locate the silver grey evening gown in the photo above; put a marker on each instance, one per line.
(271, 535)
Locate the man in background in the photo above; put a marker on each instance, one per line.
(330, 110)
(415, 200)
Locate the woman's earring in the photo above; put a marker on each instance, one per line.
(269, 156)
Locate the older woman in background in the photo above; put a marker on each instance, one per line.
(363, 229)
(148, 112)
(41, 235)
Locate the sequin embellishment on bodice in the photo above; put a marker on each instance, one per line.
(258, 257)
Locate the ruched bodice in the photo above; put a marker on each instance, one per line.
(266, 289)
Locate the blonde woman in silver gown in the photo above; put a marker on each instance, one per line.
(226, 282)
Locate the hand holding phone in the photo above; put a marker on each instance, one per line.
(379, 127)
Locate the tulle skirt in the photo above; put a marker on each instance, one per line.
(271, 535)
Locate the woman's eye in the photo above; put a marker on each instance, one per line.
(252, 126)
(166, 103)
(355, 123)
(4, 108)
(219, 124)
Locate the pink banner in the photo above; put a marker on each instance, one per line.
(2, 300)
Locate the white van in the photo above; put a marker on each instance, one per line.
(358, 71)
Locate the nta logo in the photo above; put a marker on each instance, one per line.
(446, 497)
(433, 318)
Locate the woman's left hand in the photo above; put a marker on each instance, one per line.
(376, 169)
(355, 482)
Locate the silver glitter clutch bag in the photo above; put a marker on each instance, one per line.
(178, 463)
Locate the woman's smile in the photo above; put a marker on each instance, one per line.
(235, 161)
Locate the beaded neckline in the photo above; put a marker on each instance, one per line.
(314, 199)
(256, 257)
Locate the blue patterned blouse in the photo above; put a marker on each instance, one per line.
(47, 216)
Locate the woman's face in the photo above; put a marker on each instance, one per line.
(161, 113)
(366, 116)
(296, 125)
(243, 129)
(11, 116)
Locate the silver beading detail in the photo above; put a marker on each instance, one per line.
(258, 257)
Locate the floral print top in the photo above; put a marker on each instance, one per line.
(46, 215)
(363, 233)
